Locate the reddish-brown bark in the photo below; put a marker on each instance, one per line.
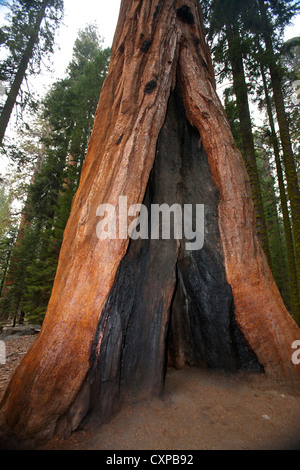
(154, 46)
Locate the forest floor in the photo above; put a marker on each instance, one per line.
(200, 410)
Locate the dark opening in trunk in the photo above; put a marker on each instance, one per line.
(168, 306)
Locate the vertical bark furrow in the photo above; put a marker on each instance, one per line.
(168, 303)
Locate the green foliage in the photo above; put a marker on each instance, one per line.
(65, 126)
(8, 231)
(4, 210)
(290, 54)
(21, 20)
(271, 201)
(26, 40)
(253, 31)
(232, 115)
(7, 243)
(14, 289)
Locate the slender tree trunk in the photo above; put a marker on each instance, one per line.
(241, 93)
(159, 129)
(294, 282)
(7, 262)
(16, 85)
(24, 222)
(17, 311)
(288, 156)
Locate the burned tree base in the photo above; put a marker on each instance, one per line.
(168, 305)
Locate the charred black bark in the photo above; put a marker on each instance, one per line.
(168, 306)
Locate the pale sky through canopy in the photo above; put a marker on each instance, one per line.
(79, 13)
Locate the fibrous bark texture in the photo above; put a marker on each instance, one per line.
(120, 309)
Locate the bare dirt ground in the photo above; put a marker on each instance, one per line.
(200, 410)
(15, 351)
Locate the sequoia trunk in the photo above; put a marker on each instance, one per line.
(119, 307)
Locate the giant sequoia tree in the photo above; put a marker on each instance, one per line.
(121, 309)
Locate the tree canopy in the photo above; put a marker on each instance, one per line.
(27, 39)
(66, 120)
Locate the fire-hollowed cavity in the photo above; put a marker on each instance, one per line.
(168, 306)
